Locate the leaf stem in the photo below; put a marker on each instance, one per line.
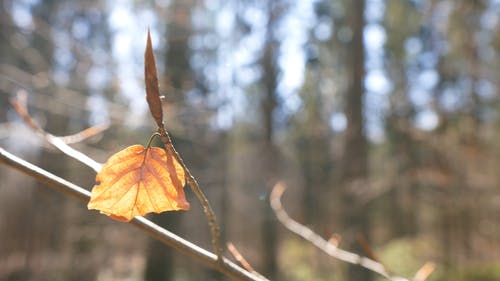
(149, 145)
(209, 213)
(151, 139)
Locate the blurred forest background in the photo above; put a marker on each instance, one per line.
(382, 117)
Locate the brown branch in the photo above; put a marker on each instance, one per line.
(425, 271)
(207, 209)
(319, 242)
(369, 252)
(155, 107)
(222, 265)
(335, 239)
(239, 257)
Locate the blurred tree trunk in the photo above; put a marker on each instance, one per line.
(160, 259)
(46, 227)
(400, 23)
(404, 196)
(21, 231)
(354, 170)
(178, 70)
(6, 32)
(459, 217)
(269, 152)
(313, 146)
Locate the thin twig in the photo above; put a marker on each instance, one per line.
(369, 252)
(335, 239)
(243, 262)
(226, 267)
(239, 257)
(20, 107)
(84, 134)
(209, 213)
(425, 271)
(321, 243)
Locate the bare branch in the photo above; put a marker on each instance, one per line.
(236, 254)
(239, 257)
(222, 265)
(318, 241)
(84, 134)
(20, 107)
(246, 265)
(335, 239)
(369, 252)
(425, 271)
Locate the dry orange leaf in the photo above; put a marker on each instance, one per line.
(137, 181)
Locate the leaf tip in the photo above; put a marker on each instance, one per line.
(152, 88)
(148, 40)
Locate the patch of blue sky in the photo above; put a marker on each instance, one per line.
(80, 28)
(225, 22)
(485, 89)
(428, 79)
(338, 122)
(21, 14)
(128, 25)
(413, 46)
(291, 62)
(323, 30)
(428, 59)
(375, 10)
(374, 36)
(97, 78)
(419, 97)
(293, 32)
(97, 105)
(490, 18)
(376, 83)
(374, 59)
(450, 99)
(427, 120)
(255, 16)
